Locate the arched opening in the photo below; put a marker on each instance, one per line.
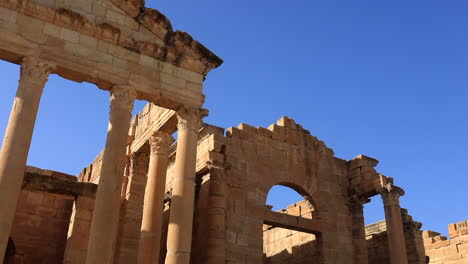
(284, 239)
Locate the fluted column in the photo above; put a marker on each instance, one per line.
(179, 237)
(358, 230)
(105, 219)
(396, 239)
(153, 208)
(17, 140)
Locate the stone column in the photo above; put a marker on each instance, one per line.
(396, 239)
(216, 244)
(153, 208)
(179, 236)
(15, 147)
(359, 230)
(105, 219)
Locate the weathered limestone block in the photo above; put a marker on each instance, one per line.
(441, 250)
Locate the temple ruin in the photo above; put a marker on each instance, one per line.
(148, 198)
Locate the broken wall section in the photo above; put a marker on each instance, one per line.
(40, 232)
(441, 250)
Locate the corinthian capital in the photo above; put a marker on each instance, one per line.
(356, 204)
(35, 70)
(391, 195)
(160, 142)
(122, 97)
(190, 118)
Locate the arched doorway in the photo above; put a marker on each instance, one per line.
(288, 231)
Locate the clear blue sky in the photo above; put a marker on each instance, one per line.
(388, 79)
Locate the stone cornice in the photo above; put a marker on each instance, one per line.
(179, 48)
(161, 26)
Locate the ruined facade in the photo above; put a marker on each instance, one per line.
(149, 199)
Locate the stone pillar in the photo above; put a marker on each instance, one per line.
(396, 239)
(153, 208)
(105, 219)
(359, 230)
(15, 147)
(78, 231)
(216, 250)
(179, 236)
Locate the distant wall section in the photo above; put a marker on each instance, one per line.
(441, 250)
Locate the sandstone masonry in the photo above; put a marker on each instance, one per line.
(441, 250)
(200, 200)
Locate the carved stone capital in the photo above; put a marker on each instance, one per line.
(356, 204)
(160, 142)
(122, 97)
(36, 70)
(391, 194)
(190, 118)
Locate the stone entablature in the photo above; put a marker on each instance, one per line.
(104, 42)
(91, 18)
(441, 250)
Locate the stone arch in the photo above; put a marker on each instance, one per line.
(301, 191)
(283, 241)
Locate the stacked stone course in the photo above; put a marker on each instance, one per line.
(441, 250)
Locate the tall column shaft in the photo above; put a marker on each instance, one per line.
(105, 219)
(153, 207)
(216, 244)
(179, 237)
(359, 231)
(396, 237)
(17, 140)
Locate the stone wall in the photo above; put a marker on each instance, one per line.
(283, 154)
(377, 243)
(235, 171)
(441, 250)
(43, 215)
(41, 219)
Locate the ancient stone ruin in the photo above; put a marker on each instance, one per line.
(202, 199)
